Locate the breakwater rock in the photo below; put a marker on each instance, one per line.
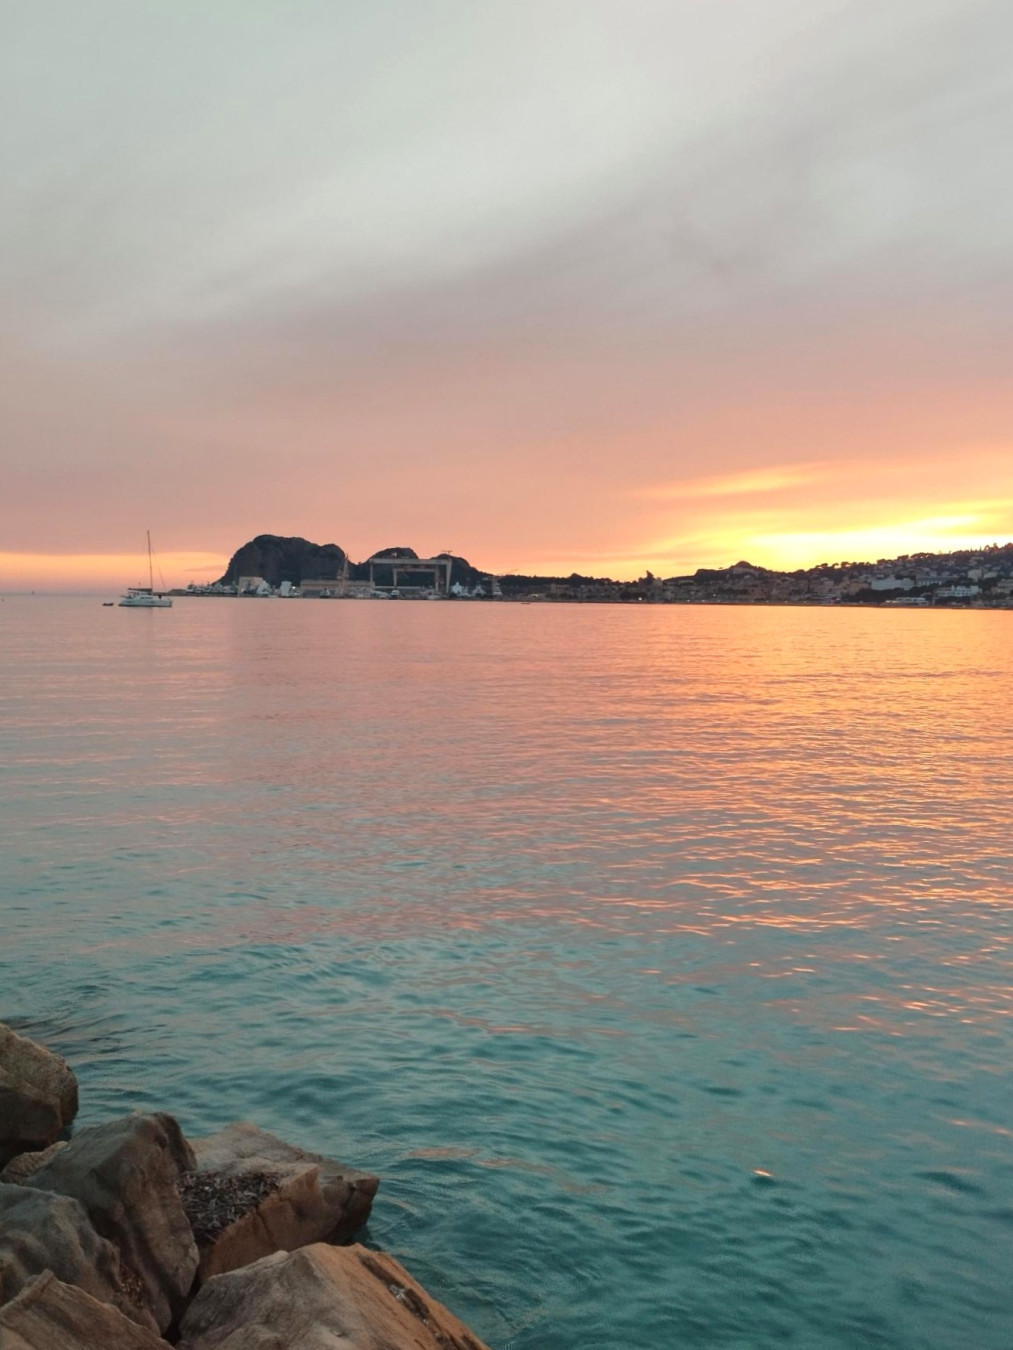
(38, 1095)
(130, 1236)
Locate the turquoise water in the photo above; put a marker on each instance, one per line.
(658, 959)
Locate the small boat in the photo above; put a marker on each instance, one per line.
(145, 597)
(107, 604)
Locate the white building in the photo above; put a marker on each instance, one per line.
(891, 584)
(957, 592)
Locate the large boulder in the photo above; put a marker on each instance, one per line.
(42, 1231)
(126, 1175)
(253, 1194)
(50, 1315)
(38, 1094)
(318, 1298)
(25, 1165)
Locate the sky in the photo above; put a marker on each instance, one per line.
(558, 285)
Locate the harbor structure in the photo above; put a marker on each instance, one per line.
(396, 568)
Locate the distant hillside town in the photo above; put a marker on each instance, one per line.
(271, 565)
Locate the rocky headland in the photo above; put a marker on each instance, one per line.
(966, 578)
(129, 1236)
(279, 558)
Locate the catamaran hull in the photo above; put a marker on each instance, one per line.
(146, 602)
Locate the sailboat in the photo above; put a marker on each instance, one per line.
(144, 597)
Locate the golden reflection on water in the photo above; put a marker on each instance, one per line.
(364, 773)
(795, 769)
(682, 934)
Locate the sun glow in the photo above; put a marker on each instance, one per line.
(939, 534)
(778, 516)
(794, 516)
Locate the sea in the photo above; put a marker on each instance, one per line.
(657, 958)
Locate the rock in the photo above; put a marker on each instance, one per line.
(38, 1094)
(19, 1169)
(278, 558)
(42, 1231)
(319, 1298)
(125, 1174)
(253, 1194)
(50, 1315)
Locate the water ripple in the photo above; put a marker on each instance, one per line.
(659, 959)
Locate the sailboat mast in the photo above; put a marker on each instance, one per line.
(151, 575)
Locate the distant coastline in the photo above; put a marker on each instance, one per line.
(291, 567)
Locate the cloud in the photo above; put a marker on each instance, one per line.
(749, 484)
(519, 275)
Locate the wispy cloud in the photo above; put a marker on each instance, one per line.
(620, 286)
(753, 482)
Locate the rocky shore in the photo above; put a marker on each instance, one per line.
(129, 1236)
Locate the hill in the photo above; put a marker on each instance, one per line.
(966, 577)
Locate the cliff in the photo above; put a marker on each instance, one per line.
(277, 559)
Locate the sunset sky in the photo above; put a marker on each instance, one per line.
(593, 285)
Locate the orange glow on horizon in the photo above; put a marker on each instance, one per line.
(782, 516)
(793, 516)
(86, 572)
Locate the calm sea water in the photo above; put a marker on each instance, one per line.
(658, 959)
